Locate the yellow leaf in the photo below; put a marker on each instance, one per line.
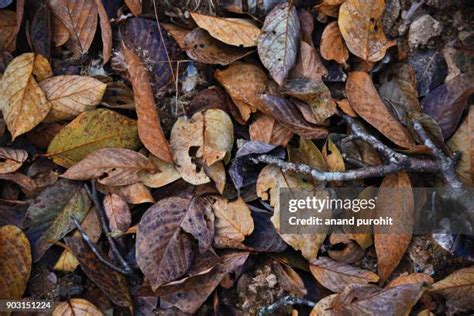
(76, 307)
(233, 221)
(66, 262)
(333, 157)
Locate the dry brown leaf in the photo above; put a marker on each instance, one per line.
(289, 279)
(308, 64)
(7, 30)
(366, 102)
(457, 288)
(244, 83)
(233, 222)
(266, 129)
(330, 7)
(133, 194)
(118, 212)
(80, 19)
(335, 275)
(323, 306)
(106, 31)
(60, 34)
(164, 174)
(178, 33)
(71, 95)
(395, 199)
(232, 31)
(149, 127)
(110, 166)
(76, 307)
(346, 107)
(11, 159)
(411, 279)
(216, 172)
(135, 6)
(360, 22)
(333, 46)
(22, 101)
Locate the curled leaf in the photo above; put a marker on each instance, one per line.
(11, 159)
(333, 46)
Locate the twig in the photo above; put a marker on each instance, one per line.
(105, 227)
(94, 249)
(282, 302)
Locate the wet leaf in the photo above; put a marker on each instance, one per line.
(447, 102)
(233, 222)
(110, 166)
(279, 41)
(91, 131)
(204, 139)
(394, 199)
(457, 288)
(430, 68)
(15, 266)
(335, 275)
(49, 216)
(201, 47)
(112, 283)
(365, 100)
(118, 212)
(76, 306)
(266, 129)
(71, 95)
(244, 83)
(164, 173)
(360, 22)
(7, 30)
(164, 251)
(232, 31)
(80, 19)
(149, 127)
(333, 46)
(22, 101)
(11, 159)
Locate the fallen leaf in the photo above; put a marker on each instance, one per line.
(178, 33)
(11, 159)
(90, 131)
(308, 63)
(91, 226)
(307, 153)
(80, 19)
(110, 166)
(365, 100)
(233, 222)
(26, 183)
(457, 288)
(201, 47)
(118, 212)
(165, 173)
(412, 278)
(48, 218)
(232, 31)
(335, 275)
(266, 129)
(289, 279)
(323, 307)
(133, 194)
(22, 101)
(430, 68)
(164, 251)
(216, 172)
(447, 102)
(135, 6)
(345, 106)
(244, 83)
(112, 283)
(332, 156)
(60, 34)
(463, 141)
(7, 30)
(330, 7)
(106, 31)
(15, 266)
(333, 46)
(204, 139)
(360, 22)
(40, 31)
(395, 199)
(279, 41)
(76, 306)
(71, 95)
(149, 127)
(118, 96)
(66, 262)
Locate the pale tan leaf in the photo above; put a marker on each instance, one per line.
(76, 307)
(457, 288)
(66, 262)
(133, 194)
(232, 31)
(411, 279)
(71, 95)
(333, 46)
(216, 172)
(165, 173)
(323, 306)
(11, 159)
(266, 129)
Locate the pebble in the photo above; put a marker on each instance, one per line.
(422, 30)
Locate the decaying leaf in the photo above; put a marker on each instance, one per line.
(110, 166)
(411, 279)
(204, 139)
(48, 218)
(232, 31)
(279, 41)
(7, 30)
(164, 249)
(266, 129)
(365, 100)
(244, 83)
(118, 212)
(307, 153)
(457, 288)
(336, 275)
(22, 101)
(430, 68)
(360, 22)
(71, 95)
(289, 279)
(163, 174)
(308, 63)
(135, 6)
(15, 266)
(333, 46)
(394, 199)
(11, 159)
(106, 31)
(149, 127)
(76, 306)
(90, 131)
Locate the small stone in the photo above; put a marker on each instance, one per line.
(422, 30)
